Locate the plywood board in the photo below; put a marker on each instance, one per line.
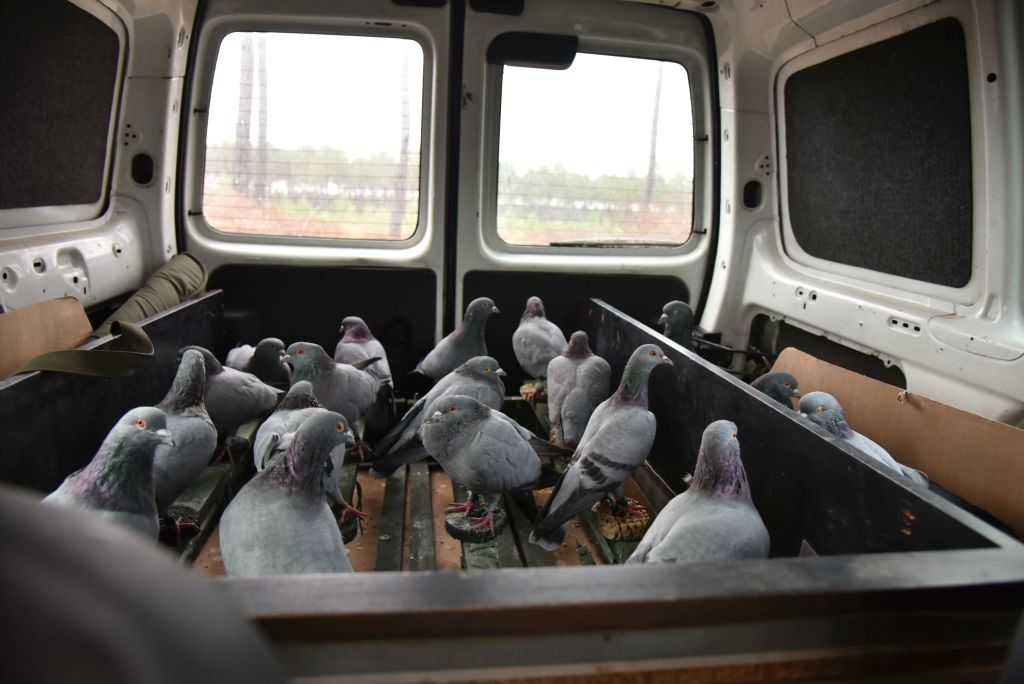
(978, 459)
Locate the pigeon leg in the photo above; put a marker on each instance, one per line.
(624, 507)
(467, 507)
(176, 525)
(486, 520)
(347, 510)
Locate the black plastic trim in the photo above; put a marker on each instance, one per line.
(544, 50)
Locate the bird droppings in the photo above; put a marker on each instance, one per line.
(384, 537)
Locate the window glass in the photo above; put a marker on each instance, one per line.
(599, 154)
(315, 136)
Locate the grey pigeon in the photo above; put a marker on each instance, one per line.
(536, 340)
(296, 406)
(482, 449)
(339, 386)
(275, 436)
(279, 523)
(195, 437)
(358, 344)
(823, 409)
(358, 347)
(578, 380)
(480, 378)
(462, 344)
(715, 519)
(678, 321)
(265, 361)
(779, 385)
(233, 397)
(118, 481)
(618, 438)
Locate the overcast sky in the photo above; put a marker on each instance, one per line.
(345, 92)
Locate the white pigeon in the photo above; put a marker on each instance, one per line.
(536, 340)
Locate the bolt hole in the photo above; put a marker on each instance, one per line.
(917, 328)
(5, 275)
(708, 4)
(814, 296)
(906, 325)
(75, 280)
(39, 265)
(991, 78)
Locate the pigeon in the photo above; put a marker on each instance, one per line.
(482, 449)
(678, 321)
(296, 406)
(578, 380)
(265, 361)
(358, 346)
(480, 378)
(118, 481)
(537, 340)
(279, 523)
(462, 344)
(824, 410)
(617, 439)
(233, 397)
(779, 385)
(715, 519)
(340, 387)
(195, 437)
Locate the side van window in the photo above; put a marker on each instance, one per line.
(315, 136)
(598, 154)
(61, 71)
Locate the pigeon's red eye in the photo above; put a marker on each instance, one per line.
(140, 424)
(338, 427)
(452, 409)
(820, 409)
(785, 384)
(734, 435)
(487, 369)
(301, 352)
(654, 353)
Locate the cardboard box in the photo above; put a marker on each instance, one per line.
(979, 460)
(44, 327)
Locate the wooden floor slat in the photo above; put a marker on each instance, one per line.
(421, 520)
(392, 522)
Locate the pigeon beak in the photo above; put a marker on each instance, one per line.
(500, 373)
(165, 436)
(495, 309)
(796, 393)
(664, 317)
(285, 358)
(665, 359)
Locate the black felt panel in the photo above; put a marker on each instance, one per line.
(307, 304)
(878, 147)
(58, 67)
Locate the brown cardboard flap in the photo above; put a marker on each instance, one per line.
(978, 459)
(40, 328)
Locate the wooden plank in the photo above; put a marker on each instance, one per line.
(421, 521)
(362, 550)
(447, 551)
(392, 519)
(533, 556)
(607, 555)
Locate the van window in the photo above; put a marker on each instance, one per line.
(315, 136)
(878, 155)
(60, 71)
(599, 154)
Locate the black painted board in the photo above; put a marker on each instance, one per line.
(51, 423)
(308, 303)
(392, 522)
(805, 483)
(421, 518)
(565, 297)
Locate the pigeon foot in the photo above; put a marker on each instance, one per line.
(484, 521)
(348, 510)
(466, 507)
